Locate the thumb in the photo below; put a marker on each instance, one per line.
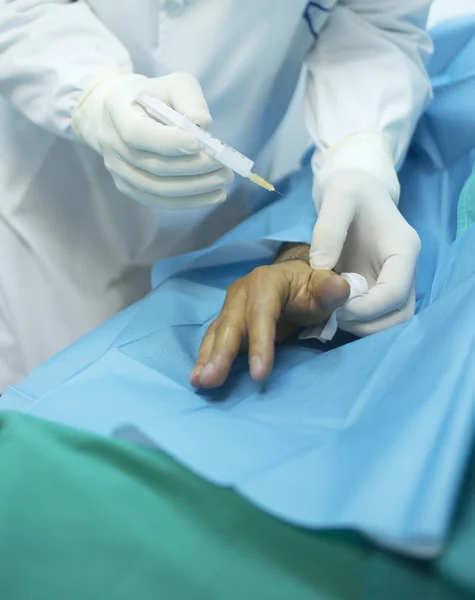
(329, 234)
(184, 94)
(329, 291)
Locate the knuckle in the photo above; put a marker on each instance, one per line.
(182, 76)
(256, 309)
(260, 273)
(128, 132)
(233, 289)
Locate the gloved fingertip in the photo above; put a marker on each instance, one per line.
(321, 261)
(221, 197)
(228, 176)
(201, 118)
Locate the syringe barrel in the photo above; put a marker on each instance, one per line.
(223, 153)
(236, 161)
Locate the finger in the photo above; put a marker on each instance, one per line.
(390, 293)
(137, 130)
(203, 354)
(183, 93)
(186, 185)
(317, 297)
(365, 328)
(267, 293)
(229, 333)
(169, 202)
(330, 232)
(169, 166)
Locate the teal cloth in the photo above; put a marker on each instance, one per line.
(88, 518)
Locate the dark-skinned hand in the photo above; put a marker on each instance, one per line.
(262, 309)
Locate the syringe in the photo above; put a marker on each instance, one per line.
(211, 145)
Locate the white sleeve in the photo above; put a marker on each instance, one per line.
(367, 85)
(49, 51)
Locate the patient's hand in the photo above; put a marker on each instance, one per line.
(262, 309)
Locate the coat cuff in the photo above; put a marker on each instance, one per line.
(368, 151)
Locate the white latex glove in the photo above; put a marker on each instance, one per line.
(360, 230)
(152, 163)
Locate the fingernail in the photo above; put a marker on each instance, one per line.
(208, 371)
(256, 367)
(195, 377)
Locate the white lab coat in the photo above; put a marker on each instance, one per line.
(73, 250)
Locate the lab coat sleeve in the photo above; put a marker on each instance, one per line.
(367, 86)
(49, 51)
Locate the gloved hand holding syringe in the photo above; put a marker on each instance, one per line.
(227, 156)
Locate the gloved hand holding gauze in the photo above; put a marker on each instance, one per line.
(360, 230)
(152, 163)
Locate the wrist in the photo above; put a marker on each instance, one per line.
(368, 151)
(87, 114)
